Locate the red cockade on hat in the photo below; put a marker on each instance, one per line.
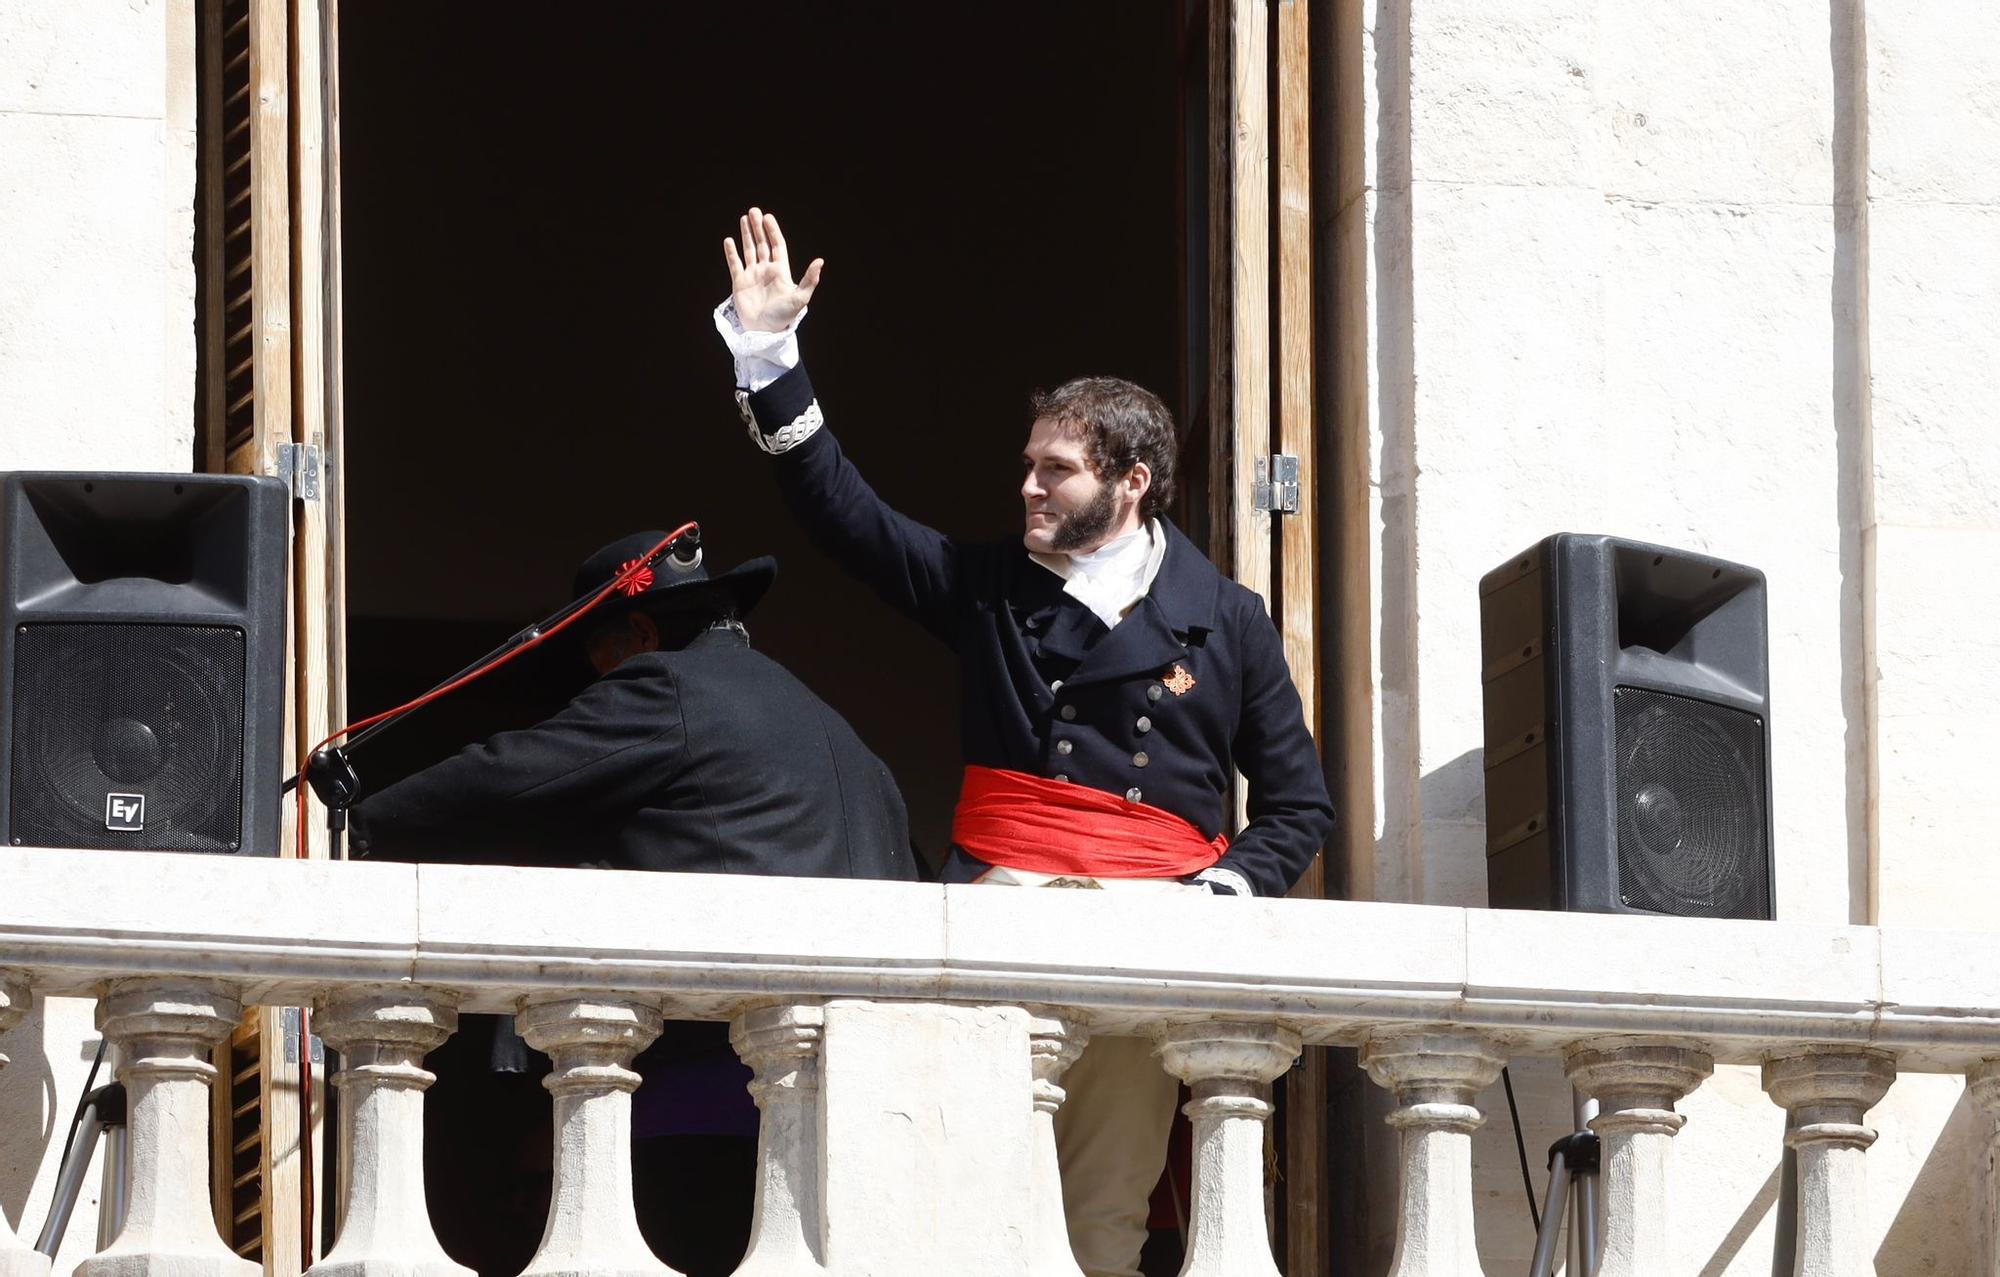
(638, 582)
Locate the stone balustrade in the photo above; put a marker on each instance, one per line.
(908, 1043)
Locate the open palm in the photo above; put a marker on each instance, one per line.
(760, 276)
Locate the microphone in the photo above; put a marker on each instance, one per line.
(684, 553)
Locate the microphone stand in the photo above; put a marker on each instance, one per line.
(331, 771)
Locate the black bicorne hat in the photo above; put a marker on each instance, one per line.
(669, 586)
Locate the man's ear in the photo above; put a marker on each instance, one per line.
(1139, 480)
(645, 632)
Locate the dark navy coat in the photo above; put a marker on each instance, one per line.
(709, 759)
(1049, 690)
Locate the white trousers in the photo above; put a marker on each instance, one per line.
(1111, 1141)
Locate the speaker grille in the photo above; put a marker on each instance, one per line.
(1691, 828)
(148, 710)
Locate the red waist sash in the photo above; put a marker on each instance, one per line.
(1053, 827)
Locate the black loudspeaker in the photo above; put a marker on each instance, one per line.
(142, 661)
(1628, 728)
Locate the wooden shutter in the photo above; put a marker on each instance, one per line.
(1261, 402)
(268, 376)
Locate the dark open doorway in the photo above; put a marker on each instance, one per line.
(532, 221)
(533, 205)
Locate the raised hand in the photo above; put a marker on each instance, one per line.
(760, 277)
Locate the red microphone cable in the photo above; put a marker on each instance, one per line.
(629, 575)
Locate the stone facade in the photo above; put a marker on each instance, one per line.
(1723, 276)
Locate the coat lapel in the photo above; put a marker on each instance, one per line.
(1178, 612)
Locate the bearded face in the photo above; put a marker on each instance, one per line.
(1068, 508)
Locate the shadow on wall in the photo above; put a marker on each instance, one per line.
(1936, 1229)
(27, 1112)
(1451, 803)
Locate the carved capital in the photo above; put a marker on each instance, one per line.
(1828, 1091)
(385, 1032)
(1983, 1082)
(1056, 1037)
(1435, 1075)
(591, 1040)
(780, 1043)
(1227, 1050)
(167, 1024)
(1643, 1076)
(15, 999)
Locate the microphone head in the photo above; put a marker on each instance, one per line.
(684, 555)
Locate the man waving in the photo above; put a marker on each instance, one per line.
(1113, 681)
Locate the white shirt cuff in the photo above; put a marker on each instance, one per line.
(1235, 882)
(761, 357)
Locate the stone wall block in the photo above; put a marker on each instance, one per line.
(383, 1036)
(165, 1028)
(1229, 1067)
(1435, 1077)
(593, 1230)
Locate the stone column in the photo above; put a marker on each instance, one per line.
(165, 1028)
(383, 1035)
(1055, 1039)
(781, 1046)
(1229, 1067)
(1983, 1084)
(1828, 1092)
(1435, 1076)
(1635, 1082)
(17, 1258)
(592, 1229)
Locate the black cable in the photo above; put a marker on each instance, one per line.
(1521, 1147)
(82, 1103)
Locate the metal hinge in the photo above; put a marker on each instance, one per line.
(299, 465)
(288, 1025)
(1275, 489)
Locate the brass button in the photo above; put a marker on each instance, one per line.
(1139, 759)
(1154, 692)
(1062, 777)
(1063, 747)
(1056, 686)
(1068, 712)
(1144, 724)
(1132, 794)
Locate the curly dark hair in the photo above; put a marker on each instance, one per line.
(1121, 425)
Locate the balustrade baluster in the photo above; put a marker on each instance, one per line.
(1635, 1082)
(17, 1258)
(165, 1028)
(1229, 1067)
(592, 1230)
(781, 1046)
(1435, 1076)
(382, 1036)
(1055, 1039)
(1983, 1084)
(1828, 1092)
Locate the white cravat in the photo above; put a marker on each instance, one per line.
(1114, 576)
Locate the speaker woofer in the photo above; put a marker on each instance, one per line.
(1690, 807)
(154, 711)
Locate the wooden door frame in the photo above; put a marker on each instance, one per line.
(1261, 400)
(293, 397)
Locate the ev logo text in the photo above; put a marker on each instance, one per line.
(125, 813)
